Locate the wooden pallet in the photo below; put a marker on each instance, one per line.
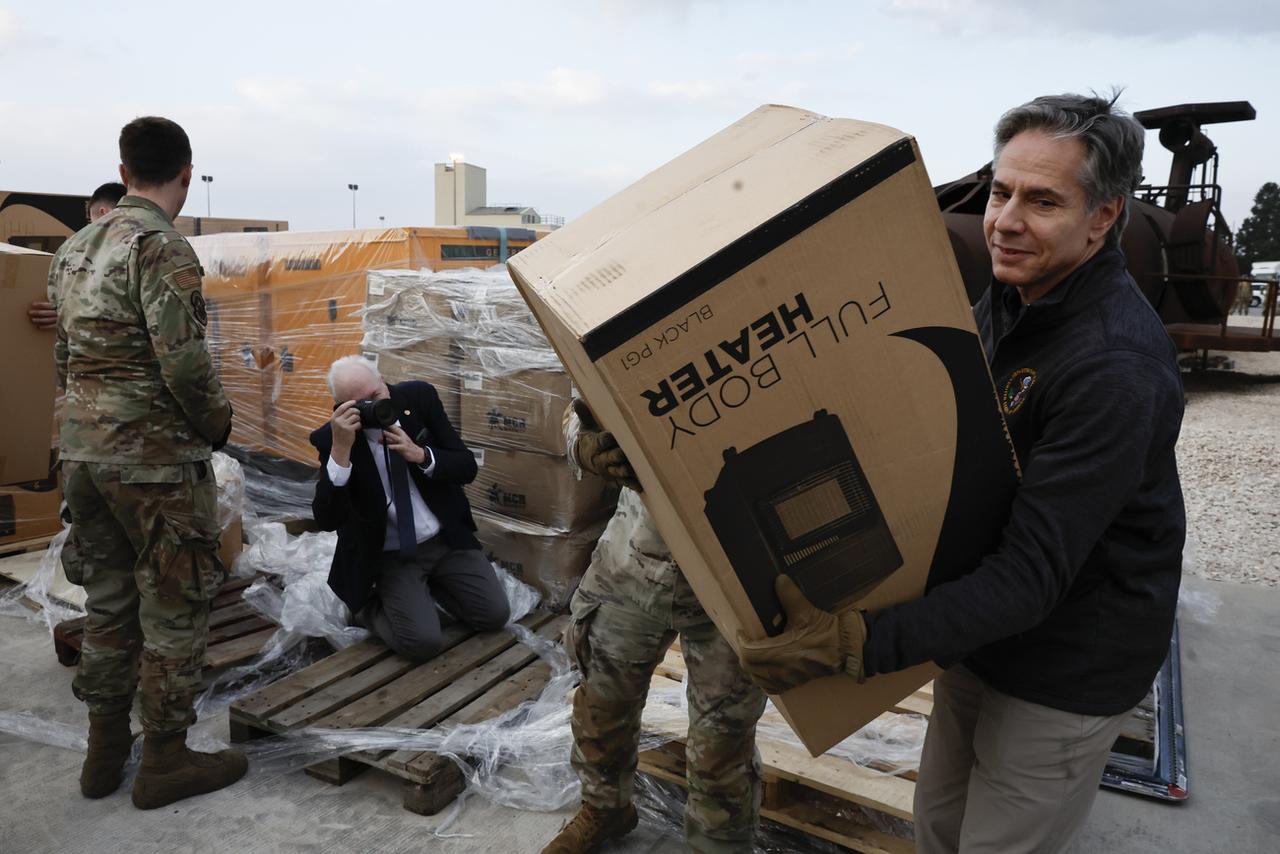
(34, 544)
(475, 678)
(21, 567)
(821, 796)
(813, 795)
(237, 633)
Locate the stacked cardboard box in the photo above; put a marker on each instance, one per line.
(470, 334)
(409, 333)
(551, 559)
(283, 305)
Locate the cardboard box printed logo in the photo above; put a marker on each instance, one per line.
(537, 488)
(796, 377)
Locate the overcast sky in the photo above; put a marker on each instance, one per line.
(567, 102)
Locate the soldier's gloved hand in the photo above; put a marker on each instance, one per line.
(814, 644)
(598, 452)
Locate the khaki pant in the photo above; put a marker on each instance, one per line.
(1004, 775)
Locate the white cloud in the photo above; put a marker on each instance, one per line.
(675, 11)
(567, 86)
(9, 28)
(685, 90)
(778, 58)
(1129, 19)
(16, 36)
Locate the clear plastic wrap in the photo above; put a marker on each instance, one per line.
(276, 488)
(35, 728)
(44, 586)
(292, 591)
(283, 305)
(231, 495)
(890, 744)
(518, 759)
(52, 598)
(552, 560)
(470, 333)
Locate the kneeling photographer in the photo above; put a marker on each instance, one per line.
(392, 469)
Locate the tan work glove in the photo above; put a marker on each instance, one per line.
(814, 644)
(598, 452)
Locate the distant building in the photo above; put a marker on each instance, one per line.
(191, 226)
(44, 220)
(461, 200)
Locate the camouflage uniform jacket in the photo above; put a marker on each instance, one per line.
(140, 386)
(631, 557)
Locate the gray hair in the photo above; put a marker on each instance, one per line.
(1113, 144)
(342, 365)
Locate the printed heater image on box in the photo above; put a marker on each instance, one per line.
(798, 503)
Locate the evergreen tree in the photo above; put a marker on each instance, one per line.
(1259, 236)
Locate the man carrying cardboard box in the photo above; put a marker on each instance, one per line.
(631, 604)
(1058, 634)
(102, 202)
(144, 410)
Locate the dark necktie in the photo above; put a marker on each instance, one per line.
(398, 473)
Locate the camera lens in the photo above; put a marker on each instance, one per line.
(376, 413)
(384, 413)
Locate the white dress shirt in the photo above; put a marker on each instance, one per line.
(425, 523)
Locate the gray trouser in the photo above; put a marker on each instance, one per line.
(999, 774)
(403, 611)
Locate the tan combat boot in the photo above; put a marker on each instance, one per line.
(592, 827)
(109, 745)
(171, 772)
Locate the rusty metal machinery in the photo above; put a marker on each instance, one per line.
(1178, 245)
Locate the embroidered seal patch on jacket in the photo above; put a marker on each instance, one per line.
(1016, 389)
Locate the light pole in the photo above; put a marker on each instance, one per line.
(353, 188)
(208, 179)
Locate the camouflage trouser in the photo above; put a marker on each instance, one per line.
(144, 543)
(620, 630)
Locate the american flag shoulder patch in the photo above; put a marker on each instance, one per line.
(187, 277)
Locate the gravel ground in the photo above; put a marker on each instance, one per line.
(1229, 460)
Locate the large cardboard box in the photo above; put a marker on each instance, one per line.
(537, 488)
(28, 380)
(551, 560)
(29, 511)
(774, 327)
(514, 398)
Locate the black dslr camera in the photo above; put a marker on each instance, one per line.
(376, 413)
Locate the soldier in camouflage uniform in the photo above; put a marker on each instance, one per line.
(631, 604)
(143, 411)
(103, 201)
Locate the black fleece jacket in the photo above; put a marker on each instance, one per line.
(1075, 609)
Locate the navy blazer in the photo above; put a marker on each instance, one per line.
(358, 510)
